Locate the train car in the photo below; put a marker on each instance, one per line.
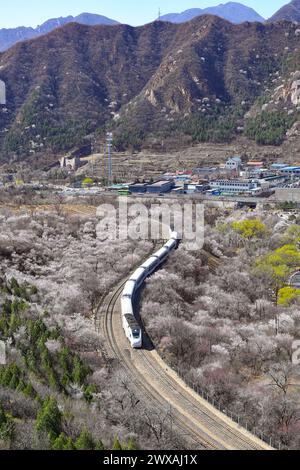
(126, 306)
(170, 245)
(129, 289)
(150, 265)
(138, 277)
(133, 331)
(131, 327)
(162, 255)
(176, 237)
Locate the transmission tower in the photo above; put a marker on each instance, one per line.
(109, 139)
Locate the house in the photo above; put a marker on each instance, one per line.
(253, 164)
(233, 164)
(138, 188)
(206, 171)
(160, 187)
(233, 186)
(70, 163)
(195, 188)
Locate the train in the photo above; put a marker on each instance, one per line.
(130, 325)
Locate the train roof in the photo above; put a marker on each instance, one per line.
(132, 322)
(175, 236)
(161, 252)
(170, 243)
(137, 274)
(128, 289)
(126, 305)
(149, 262)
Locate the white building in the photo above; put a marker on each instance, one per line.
(233, 163)
(291, 170)
(2, 93)
(233, 186)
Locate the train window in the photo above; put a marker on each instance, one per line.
(136, 333)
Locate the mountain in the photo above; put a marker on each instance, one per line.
(232, 11)
(289, 12)
(9, 37)
(202, 80)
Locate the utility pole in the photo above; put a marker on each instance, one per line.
(109, 139)
(171, 420)
(92, 152)
(159, 14)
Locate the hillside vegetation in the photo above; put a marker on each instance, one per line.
(231, 333)
(199, 78)
(58, 389)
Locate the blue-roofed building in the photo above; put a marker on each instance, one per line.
(278, 166)
(182, 178)
(160, 187)
(138, 188)
(291, 170)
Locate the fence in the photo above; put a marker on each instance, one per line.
(230, 414)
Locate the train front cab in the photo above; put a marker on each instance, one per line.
(175, 236)
(136, 338)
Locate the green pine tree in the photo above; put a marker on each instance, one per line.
(69, 445)
(59, 442)
(132, 445)
(85, 441)
(62, 442)
(3, 419)
(100, 446)
(117, 444)
(49, 418)
(79, 372)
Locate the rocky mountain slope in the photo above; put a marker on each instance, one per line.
(205, 80)
(289, 12)
(231, 11)
(9, 37)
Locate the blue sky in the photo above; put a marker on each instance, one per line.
(135, 12)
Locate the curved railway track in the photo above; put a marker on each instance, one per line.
(200, 424)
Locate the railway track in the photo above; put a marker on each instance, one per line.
(123, 355)
(202, 425)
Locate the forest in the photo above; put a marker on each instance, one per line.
(231, 332)
(58, 389)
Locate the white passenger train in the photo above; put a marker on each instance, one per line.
(131, 327)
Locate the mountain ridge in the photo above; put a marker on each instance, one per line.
(10, 36)
(232, 11)
(289, 12)
(197, 79)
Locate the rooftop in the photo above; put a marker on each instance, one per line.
(290, 168)
(159, 183)
(255, 163)
(279, 165)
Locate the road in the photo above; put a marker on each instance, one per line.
(203, 426)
